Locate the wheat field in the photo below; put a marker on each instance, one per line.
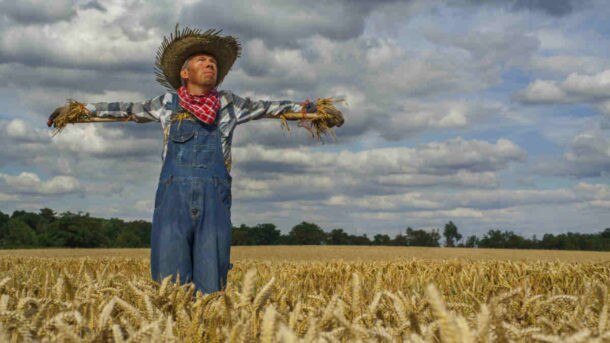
(310, 294)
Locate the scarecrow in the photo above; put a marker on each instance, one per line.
(191, 225)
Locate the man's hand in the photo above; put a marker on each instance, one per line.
(60, 110)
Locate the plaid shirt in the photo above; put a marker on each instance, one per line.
(234, 110)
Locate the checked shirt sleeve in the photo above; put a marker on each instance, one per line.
(140, 112)
(247, 109)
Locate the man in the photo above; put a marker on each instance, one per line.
(191, 231)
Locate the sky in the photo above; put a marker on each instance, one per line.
(491, 114)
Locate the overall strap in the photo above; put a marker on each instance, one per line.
(175, 102)
(174, 107)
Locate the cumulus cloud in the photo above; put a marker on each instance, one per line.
(492, 51)
(20, 132)
(494, 208)
(264, 174)
(438, 158)
(587, 156)
(30, 183)
(393, 100)
(574, 89)
(93, 140)
(131, 34)
(566, 64)
(474, 203)
(416, 116)
(460, 178)
(4, 197)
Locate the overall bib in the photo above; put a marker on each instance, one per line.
(191, 226)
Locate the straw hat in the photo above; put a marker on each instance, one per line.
(187, 42)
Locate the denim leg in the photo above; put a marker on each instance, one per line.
(212, 242)
(171, 236)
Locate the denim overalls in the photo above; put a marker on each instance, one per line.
(191, 227)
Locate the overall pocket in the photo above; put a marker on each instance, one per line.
(192, 148)
(180, 137)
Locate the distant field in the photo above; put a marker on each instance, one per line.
(310, 294)
(347, 253)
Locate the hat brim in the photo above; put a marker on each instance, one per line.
(183, 44)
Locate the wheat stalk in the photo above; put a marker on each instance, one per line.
(48, 299)
(263, 295)
(268, 325)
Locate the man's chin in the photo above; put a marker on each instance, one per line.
(206, 84)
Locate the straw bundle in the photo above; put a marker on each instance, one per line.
(76, 112)
(322, 121)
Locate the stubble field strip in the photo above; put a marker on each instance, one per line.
(392, 300)
(342, 252)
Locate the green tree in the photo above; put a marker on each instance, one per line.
(381, 239)
(422, 238)
(141, 229)
(493, 239)
(3, 219)
(128, 238)
(306, 234)
(33, 220)
(503, 239)
(18, 235)
(76, 230)
(47, 214)
(241, 235)
(359, 240)
(337, 237)
(451, 234)
(399, 239)
(471, 242)
(284, 240)
(265, 234)
(110, 230)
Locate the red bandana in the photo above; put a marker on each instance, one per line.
(204, 107)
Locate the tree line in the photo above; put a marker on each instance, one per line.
(46, 228)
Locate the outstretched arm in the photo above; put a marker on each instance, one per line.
(141, 112)
(247, 109)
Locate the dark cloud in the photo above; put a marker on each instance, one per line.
(25, 77)
(94, 5)
(39, 56)
(604, 123)
(557, 8)
(553, 7)
(587, 156)
(285, 24)
(38, 12)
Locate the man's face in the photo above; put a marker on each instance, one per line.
(201, 70)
